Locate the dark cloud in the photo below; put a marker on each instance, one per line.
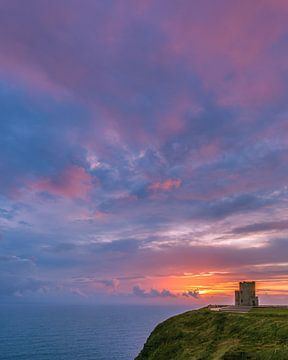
(108, 283)
(194, 294)
(261, 227)
(17, 276)
(19, 286)
(242, 203)
(152, 293)
(60, 248)
(6, 214)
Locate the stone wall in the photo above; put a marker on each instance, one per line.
(246, 295)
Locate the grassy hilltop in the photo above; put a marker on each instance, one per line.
(202, 334)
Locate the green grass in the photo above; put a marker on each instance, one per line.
(202, 334)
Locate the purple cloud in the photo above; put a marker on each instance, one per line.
(142, 140)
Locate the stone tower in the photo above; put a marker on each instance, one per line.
(246, 295)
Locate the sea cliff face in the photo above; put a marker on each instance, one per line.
(203, 334)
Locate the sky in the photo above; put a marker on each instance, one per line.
(144, 153)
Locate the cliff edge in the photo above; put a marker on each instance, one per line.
(202, 334)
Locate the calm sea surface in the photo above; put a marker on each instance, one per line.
(80, 332)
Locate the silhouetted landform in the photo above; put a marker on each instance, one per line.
(261, 333)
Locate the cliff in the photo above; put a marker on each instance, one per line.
(203, 334)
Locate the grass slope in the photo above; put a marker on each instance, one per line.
(202, 334)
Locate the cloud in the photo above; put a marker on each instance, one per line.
(17, 276)
(16, 286)
(35, 144)
(152, 293)
(125, 246)
(110, 283)
(261, 227)
(230, 205)
(194, 294)
(74, 182)
(13, 264)
(59, 248)
(166, 185)
(137, 139)
(7, 214)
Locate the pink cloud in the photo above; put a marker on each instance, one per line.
(101, 216)
(181, 108)
(74, 182)
(166, 185)
(236, 38)
(239, 39)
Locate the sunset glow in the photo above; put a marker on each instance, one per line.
(144, 150)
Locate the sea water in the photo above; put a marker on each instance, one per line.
(80, 332)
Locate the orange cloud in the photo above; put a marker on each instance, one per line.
(166, 185)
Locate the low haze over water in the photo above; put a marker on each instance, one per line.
(67, 332)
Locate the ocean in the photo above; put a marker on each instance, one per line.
(80, 332)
